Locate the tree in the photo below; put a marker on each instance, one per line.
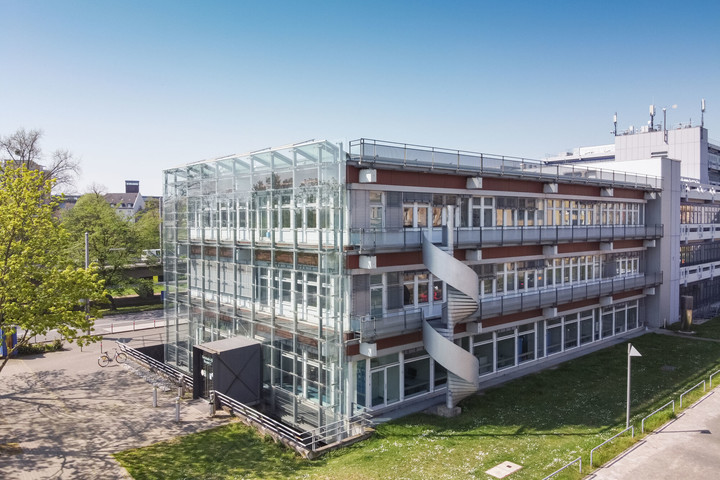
(112, 240)
(147, 225)
(23, 148)
(39, 288)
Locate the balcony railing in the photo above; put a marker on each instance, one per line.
(396, 323)
(392, 323)
(507, 304)
(466, 237)
(371, 152)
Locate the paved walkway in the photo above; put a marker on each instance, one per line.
(68, 415)
(688, 447)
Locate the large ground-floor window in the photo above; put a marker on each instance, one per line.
(390, 379)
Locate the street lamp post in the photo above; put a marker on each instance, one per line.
(631, 353)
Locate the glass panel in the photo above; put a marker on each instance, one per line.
(554, 343)
(526, 347)
(484, 354)
(505, 353)
(393, 384)
(378, 387)
(360, 387)
(422, 216)
(571, 331)
(440, 375)
(417, 377)
(585, 331)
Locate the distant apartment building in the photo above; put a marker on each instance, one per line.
(377, 276)
(128, 203)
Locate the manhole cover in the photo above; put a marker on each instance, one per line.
(504, 469)
(10, 449)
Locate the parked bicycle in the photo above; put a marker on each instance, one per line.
(105, 359)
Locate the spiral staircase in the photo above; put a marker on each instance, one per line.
(462, 304)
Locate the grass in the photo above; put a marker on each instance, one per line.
(709, 329)
(133, 309)
(541, 421)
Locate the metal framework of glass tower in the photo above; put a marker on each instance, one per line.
(252, 246)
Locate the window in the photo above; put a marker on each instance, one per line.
(377, 210)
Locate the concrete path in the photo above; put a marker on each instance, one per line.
(688, 447)
(67, 415)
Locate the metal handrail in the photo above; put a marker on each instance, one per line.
(304, 439)
(579, 459)
(176, 375)
(711, 377)
(642, 424)
(690, 389)
(271, 424)
(609, 439)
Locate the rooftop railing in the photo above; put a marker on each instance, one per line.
(368, 151)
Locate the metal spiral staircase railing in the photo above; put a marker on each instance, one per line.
(462, 303)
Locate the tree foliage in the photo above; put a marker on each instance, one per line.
(23, 148)
(40, 290)
(112, 240)
(147, 225)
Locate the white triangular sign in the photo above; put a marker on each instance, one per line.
(633, 352)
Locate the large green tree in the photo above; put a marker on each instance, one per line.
(40, 289)
(112, 240)
(147, 225)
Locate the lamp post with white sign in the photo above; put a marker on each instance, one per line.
(631, 353)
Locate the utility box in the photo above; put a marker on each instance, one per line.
(232, 366)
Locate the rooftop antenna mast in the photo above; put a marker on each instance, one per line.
(652, 117)
(702, 113)
(615, 124)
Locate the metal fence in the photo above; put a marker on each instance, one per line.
(690, 390)
(177, 376)
(304, 440)
(642, 424)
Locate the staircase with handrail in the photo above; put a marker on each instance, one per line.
(462, 304)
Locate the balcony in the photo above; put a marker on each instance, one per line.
(406, 321)
(466, 237)
(507, 304)
(699, 231)
(372, 327)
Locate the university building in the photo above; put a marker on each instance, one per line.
(377, 276)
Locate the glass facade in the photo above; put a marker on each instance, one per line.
(253, 246)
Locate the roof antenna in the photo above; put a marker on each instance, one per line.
(614, 132)
(652, 117)
(702, 113)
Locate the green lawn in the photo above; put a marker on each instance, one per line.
(709, 329)
(541, 421)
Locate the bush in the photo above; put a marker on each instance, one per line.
(35, 348)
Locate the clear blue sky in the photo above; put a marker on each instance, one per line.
(135, 87)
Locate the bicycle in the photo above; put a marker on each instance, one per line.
(105, 359)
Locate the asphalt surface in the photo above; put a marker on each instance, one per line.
(62, 416)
